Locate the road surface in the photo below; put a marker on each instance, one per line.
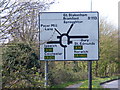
(112, 84)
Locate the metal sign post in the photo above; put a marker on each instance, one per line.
(46, 73)
(90, 68)
(90, 75)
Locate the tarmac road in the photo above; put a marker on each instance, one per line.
(112, 84)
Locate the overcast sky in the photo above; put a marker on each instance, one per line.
(106, 8)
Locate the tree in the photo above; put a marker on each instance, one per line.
(108, 62)
(20, 19)
(19, 25)
(18, 62)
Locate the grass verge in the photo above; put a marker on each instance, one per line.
(66, 84)
(96, 82)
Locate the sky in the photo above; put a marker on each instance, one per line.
(107, 9)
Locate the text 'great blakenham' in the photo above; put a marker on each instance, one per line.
(71, 16)
(74, 14)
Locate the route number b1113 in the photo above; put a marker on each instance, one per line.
(92, 18)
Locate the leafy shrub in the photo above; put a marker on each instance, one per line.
(20, 67)
(59, 75)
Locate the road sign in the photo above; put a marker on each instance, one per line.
(69, 35)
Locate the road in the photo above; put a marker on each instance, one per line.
(112, 84)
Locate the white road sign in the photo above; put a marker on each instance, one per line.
(69, 35)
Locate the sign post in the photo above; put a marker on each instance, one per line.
(90, 68)
(90, 75)
(46, 73)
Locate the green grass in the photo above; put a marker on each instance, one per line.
(96, 82)
(65, 84)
